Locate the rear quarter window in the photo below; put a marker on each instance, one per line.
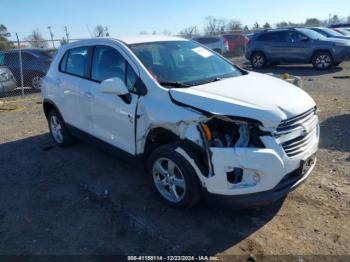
(272, 37)
(63, 62)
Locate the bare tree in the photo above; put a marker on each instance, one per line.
(267, 26)
(4, 34)
(166, 32)
(189, 32)
(313, 22)
(143, 33)
(246, 29)
(234, 25)
(214, 26)
(335, 20)
(37, 40)
(101, 31)
(349, 19)
(256, 27)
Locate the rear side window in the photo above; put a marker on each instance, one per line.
(272, 37)
(77, 63)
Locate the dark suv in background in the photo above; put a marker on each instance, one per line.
(296, 45)
(35, 63)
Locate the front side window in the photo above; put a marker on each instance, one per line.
(183, 62)
(294, 37)
(107, 63)
(77, 63)
(311, 33)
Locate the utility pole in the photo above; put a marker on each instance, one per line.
(67, 34)
(20, 63)
(51, 34)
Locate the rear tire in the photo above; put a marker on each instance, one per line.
(36, 82)
(173, 177)
(58, 129)
(258, 60)
(322, 60)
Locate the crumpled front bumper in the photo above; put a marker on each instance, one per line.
(265, 173)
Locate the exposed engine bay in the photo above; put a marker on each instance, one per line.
(225, 132)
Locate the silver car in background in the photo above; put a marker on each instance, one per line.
(7, 80)
(216, 43)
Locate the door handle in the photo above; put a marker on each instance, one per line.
(89, 95)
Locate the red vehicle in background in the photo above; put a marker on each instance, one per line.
(236, 42)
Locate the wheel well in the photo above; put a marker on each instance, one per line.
(158, 137)
(258, 51)
(318, 51)
(48, 106)
(161, 136)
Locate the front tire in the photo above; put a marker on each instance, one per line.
(322, 60)
(258, 60)
(58, 129)
(173, 177)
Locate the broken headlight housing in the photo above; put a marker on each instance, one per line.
(227, 132)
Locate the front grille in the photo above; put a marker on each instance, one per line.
(305, 125)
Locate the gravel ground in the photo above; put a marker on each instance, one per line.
(83, 200)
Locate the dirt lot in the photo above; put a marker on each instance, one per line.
(83, 200)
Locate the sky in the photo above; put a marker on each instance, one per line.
(129, 17)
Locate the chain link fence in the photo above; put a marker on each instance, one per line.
(23, 65)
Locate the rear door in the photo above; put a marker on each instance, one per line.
(75, 85)
(274, 45)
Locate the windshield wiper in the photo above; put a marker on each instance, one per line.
(207, 81)
(174, 84)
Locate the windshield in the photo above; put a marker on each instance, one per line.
(311, 33)
(343, 31)
(183, 63)
(330, 32)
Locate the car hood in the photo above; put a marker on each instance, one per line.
(337, 40)
(254, 96)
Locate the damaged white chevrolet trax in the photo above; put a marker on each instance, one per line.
(203, 126)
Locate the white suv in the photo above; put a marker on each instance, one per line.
(203, 126)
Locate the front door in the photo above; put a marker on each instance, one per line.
(113, 116)
(298, 47)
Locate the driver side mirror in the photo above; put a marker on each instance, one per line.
(304, 39)
(116, 86)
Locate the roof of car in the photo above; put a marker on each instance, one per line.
(148, 39)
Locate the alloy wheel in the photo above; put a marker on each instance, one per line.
(56, 129)
(323, 61)
(169, 180)
(258, 61)
(36, 82)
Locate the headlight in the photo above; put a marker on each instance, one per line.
(4, 77)
(226, 132)
(341, 44)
